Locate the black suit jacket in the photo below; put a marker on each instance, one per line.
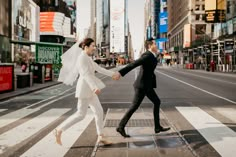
(146, 78)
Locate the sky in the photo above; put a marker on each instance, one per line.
(135, 17)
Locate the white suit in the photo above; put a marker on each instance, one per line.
(86, 85)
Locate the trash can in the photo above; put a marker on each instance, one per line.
(23, 80)
(41, 72)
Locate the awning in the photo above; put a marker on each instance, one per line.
(167, 56)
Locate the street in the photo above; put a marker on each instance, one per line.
(199, 107)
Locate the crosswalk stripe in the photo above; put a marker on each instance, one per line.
(24, 131)
(1, 110)
(219, 136)
(16, 115)
(227, 112)
(68, 138)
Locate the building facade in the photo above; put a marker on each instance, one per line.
(5, 31)
(186, 28)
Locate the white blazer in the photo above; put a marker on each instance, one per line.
(87, 81)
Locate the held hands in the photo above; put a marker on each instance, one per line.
(97, 91)
(116, 76)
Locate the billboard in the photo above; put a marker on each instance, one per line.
(72, 8)
(51, 23)
(49, 54)
(215, 11)
(161, 43)
(163, 17)
(187, 35)
(117, 26)
(25, 20)
(149, 33)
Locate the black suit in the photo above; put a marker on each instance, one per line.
(143, 86)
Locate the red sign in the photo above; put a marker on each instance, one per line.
(6, 78)
(48, 71)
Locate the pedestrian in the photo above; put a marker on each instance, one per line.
(143, 86)
(88, 86)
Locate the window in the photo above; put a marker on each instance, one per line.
(228, 7)
(200, 29)
(203, 17)
(203, 7)
(197, 7)
(197, 17)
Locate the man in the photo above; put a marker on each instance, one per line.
(143, 86)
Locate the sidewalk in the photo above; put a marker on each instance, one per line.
(22, 91)
(143, 141)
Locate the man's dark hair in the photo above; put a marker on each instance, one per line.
(148, 42)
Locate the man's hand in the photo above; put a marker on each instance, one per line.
(97, 91)
(116, 76)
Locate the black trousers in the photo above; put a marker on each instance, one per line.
(138, 98)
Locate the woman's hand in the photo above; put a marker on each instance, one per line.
(97, 91)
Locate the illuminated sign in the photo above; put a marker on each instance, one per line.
(215, 11)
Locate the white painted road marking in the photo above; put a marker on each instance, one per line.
(209, 78)
(14, 116)
(219, 136)
(47, 147)
(227, 112)
(231, 101)
(24, 131)
(21, 113)
(1, 110)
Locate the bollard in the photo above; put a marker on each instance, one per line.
(31, 79)
(15, 82)
(53, 75)
(43, 72)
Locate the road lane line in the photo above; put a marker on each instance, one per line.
(231, 101)
(230, 113)
(47, 146)
(205, 77)
(1, 110)
(219, 136)
(25, 130)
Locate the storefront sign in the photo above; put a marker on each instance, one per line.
(48, 53)
(6, 75)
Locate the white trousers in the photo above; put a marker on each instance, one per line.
(82, 107)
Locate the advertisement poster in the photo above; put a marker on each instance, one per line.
(6, 74)
(163, 22)
(117, 24)
(49, 54)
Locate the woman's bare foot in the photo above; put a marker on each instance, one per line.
(103, 140)
(57, 134)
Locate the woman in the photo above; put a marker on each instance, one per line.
(87, 89)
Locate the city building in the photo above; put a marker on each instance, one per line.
(187, 28)
(5, 31)
(151, 18)
(57, 21)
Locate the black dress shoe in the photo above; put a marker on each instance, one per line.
(161, 129)
(122, 132)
